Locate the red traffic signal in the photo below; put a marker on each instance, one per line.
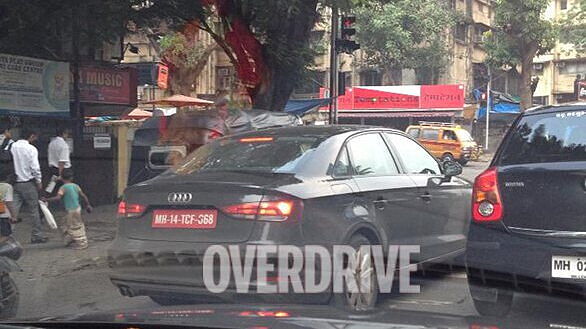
(348, 28)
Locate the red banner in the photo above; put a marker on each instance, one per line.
(105, 85)
(162, 76)
(401, 97)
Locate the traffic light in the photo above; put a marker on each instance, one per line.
(345, 44)
(348, 30)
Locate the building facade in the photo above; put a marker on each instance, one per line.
(558, 69)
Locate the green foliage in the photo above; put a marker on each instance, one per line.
(573, 27)
(405, 33)
(517, 36)
(180, 51)
(45, 28)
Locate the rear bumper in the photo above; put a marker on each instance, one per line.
(497, 257)
(160, 268)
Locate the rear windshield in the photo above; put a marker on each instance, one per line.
(552, 137)
(265, 154)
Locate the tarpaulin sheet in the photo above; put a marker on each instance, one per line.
(301, 106)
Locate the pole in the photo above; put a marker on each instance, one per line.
(333, 115)
(488, 107)
(77, 111)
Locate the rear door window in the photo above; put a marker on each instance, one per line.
(415, 158)
(370, 156)
(431, 134)
(549, 137)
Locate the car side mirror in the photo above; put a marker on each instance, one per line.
(451, 169)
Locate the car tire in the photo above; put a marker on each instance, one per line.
(499, 306)
(359, 302)
(447, 157)
(10, 297)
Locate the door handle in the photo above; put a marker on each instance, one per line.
(380, 202)
(426, 197)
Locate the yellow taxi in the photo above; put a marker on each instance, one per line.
(446, 141)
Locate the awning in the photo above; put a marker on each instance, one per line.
(397, 114)
(301, 106)
(180, 101)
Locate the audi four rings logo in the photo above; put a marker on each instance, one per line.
(179, 197)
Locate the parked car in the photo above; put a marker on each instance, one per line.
(529, 211)
(340, 184)
(446, 141)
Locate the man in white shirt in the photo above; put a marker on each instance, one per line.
(28, 181)
(58, 153)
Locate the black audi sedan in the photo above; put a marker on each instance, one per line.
(301, 186)
(528, 228)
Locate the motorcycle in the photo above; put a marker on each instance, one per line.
(10, 251)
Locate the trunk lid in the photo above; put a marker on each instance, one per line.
(209, 191)
(548, 196)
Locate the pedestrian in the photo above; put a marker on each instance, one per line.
(74, 229)
(7, 210)
(58, 156)
(6, 137)
(6, 161)
(28, 181)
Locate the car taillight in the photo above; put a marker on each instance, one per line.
(265, 210)
(486, 200)
(130, 209)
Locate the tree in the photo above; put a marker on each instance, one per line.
(186, 56)
(405, 34)
(266, 40)
(573, 26)
(45, 28)
(520, 34)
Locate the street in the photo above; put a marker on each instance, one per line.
(57, 281)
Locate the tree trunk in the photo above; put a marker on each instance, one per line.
(280, 77)
(525, 91)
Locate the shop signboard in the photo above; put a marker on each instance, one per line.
(32, 86)
(401, 98)
(107, 85)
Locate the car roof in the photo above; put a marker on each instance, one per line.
(572, 106)
(318, 131)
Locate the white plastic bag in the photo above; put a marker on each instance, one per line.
(48, 215)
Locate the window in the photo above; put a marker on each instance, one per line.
(564, 4)
(342, 166)
(461, 32)
(266, 154)
(479, 30)
(414, 132)
(432, 134)
(449, 135)
(371, 157)
(224, 77)
(415, 158)
(555, 137)
(572, 67)
(370, 78)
